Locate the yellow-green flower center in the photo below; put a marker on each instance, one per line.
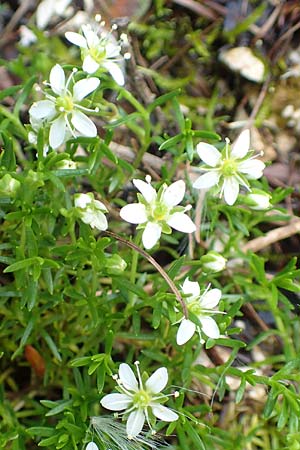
(142, 399)
(195, 307)
(97, 53)
(64, 103)
(159, 212)
(229, 167)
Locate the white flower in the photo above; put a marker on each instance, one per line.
(49, 8)
(158, 211)
(91, 446)
(98, 51)
(63, 109)
(139, 399)
(213, 261)
(200, 306)
(229, 168)
(27, 37)
(91, 211)
(258, 200)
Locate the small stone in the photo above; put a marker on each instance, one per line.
(243, 60)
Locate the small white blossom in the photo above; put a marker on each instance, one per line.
(139, 399)
(49, 8)
(200, 306)
(98, 52)
(91, 211)
(229, 169)
(213, 261)
(156, 212)
(258, 200)
(63, 110)
(27, 37)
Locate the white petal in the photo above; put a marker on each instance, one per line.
(116, 402)
(60, 6)
(151, 235)
(211, 298)
(83, 124)
(231, 190)
(185, 331)
(191, 287)
(84, 87)
(181, 222)
(115, 71)
(57, 79)
(174, 194)
(112, 50)
(81, 200)
(164, 413)
(76, 39)
(91, 446)
(147, 191)
(207, 180)
(90, 35)
(135, 423)
(43, 109)
(209, 154)
(44, 13)
(127, 377)
(96, 219)
(134, 213)
(241, 146)
(99, 205)
(209, 327)
(90, 65)
(253, 168)
(158, 380)
(57, 132)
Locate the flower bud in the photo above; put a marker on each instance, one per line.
(213, 262)
(258, 200)
(115, 265)
(9, 185)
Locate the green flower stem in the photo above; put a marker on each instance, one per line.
(13, 119)
(131, 99)
(155, 264)
(145, 145)
(135, 258)
(146, 125)
(288, 346)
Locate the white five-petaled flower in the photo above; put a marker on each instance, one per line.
(98, 52)
(200, 306)
(63, 110)
(230, 168)
(156, 212)
(138, 399)
(91, 211)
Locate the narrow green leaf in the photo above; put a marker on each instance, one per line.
(23, 264)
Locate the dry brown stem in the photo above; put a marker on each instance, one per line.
(273, 236)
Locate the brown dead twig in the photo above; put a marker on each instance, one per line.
(273, 236)
(25, 5)
(198, 8)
